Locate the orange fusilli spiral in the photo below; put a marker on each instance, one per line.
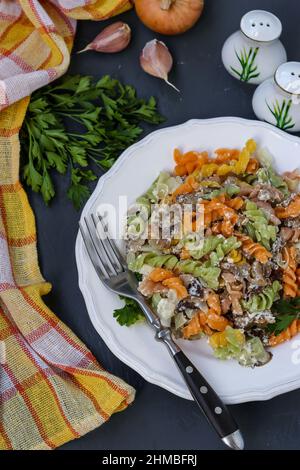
(224, 228)
(177, 285)
(216, 322)
(160, 274)
(188, 162)
(168, 280)
(210, 321)
(298, 281)
(289, 278)
(189, 185)
(292, 210)
(213, 302)
(251, 248)
(286, 335)
(225, 155)
(204, 322)
(236, 203)
(195, 325)
(219, 209)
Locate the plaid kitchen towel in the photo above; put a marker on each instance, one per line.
(52, 389)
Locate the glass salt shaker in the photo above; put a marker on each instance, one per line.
(277, 100)
(254, 53)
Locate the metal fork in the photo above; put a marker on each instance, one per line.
(114, 274)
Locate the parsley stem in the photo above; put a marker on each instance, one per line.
(70, 116)
(75, 112)
(99, 151)
(74, 134)
(97, 162)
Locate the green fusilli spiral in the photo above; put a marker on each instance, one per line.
(227, 245)
(162, 186)
(269, 176)
(217, 247)
(229, 189)
(205, 271)
(207, 245)
(258, 227)
(264, 300)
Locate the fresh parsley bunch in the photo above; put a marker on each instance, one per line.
(77, 123)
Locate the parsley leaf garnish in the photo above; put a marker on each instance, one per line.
(281, 324)
(75, 125)
(138, 276)
(287, 306)
(286, 312)
(129, 314)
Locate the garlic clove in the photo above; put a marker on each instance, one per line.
(113, 38)
(157, 61)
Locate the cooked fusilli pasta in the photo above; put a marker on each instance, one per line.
(292, 210)
(289, 278)
(208, 273)
(264, 300)
(250, 248)
(286, 335)
(258, 227)
(223, 278)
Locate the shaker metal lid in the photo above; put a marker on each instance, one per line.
(287, 76)
(261, 26)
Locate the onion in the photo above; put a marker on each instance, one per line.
(169, 16)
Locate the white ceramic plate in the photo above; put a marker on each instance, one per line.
(133, 173)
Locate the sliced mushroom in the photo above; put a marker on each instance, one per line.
(191, 303)
(268, 211)
(148, 288)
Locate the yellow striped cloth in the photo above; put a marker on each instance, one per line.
(52, 389)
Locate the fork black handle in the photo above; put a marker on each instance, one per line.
(112, 271)
(204, 395)
(211, 405)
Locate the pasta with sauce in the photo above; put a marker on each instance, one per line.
(224, 278)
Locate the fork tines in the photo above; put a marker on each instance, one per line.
(102, 249)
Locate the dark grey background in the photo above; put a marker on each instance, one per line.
(157, 419)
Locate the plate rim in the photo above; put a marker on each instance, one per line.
(110, 341)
